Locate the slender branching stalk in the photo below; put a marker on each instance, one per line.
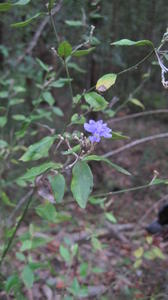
(7, 248)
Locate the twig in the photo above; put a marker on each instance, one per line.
(137, 115)
(135, 143)
(69, 79)
(38, 33)
(6, 249)
(18, 206)
(138, 64)
(155, 205)
(140, 187)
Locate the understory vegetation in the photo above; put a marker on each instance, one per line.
(83, 149)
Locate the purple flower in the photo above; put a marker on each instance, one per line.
(98, 130)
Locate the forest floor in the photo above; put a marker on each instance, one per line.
(114, 261)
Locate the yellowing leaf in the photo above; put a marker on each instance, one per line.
(157, 251)
(105, 82)
(138, 263)
(137, 103)
(149, 239)
(139, 252)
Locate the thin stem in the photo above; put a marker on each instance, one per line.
(131, 95)
(138, 64)
(55, 31)
(137, 115)
(69, 79)
(15, 231)
(135, 143)
(126, 190)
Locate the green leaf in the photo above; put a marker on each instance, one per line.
(126, 42)
(15, 101)
(101, 158)
(138, 263)
(47, 211)
(32, 173)
(27, 22)
(22, 2)
(82, 183)
(105, 82)
(110, 217)
(39, 149)
(43, 65)
(137, 103)
(48, 97)
(77, 99)
(158, 253)
(96, 101)
(26, 245)
(12, 282)
(58, 186)
(19, 117)
(83, 269)
(6, 200)
(75, 149)
(139, 252)
(51, 4)
(149, 255)
(96, 243)
(118, 136)
(62, 218)
(5, 6)
(96, 201)
(3, 144)
(74, 249)
(76, 67)
(64, 49)
(3, 121)
(20, 256)
(40, 242)
(98, 270)
(19, 89)
(3, 94)
(27, 276)
(74, 23)
(57, 111)
(79, 53)
(78, 119)
(65, 253)
(60, 82)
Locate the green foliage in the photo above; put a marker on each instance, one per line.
(58, 186)
(64, 50)
(47, 94)
(82, 183)
(79, 53)
(105, 82)
(110, 217)
(126, 42)
(100, 158)
(39, 149)
(96, 102)
(32, 173)
(22, 2)
(27, 22)
(5, 6)
(27, 276)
